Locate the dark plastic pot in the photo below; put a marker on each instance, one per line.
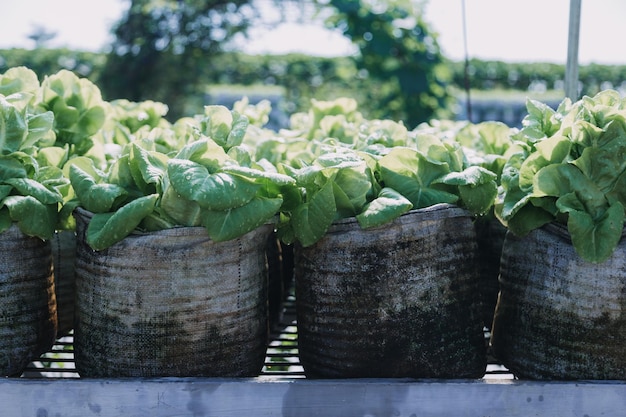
(28, 317)
(490, 234)
(558, 316)
(63, 257)
(171, 303)
(401, 300)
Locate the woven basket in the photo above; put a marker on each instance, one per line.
(28, 321)
(400, 300)
(558, 316)
(171, 303)
(63, 257)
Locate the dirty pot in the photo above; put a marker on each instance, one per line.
(490, 233)
(171, 303)
(63, 256)
(28, 321)
(558, 316)
(401, 300)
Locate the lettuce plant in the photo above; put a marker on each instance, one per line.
(435, 171)
(30, 191)
(571, 169)
(205, 183)
(373, 170)
(487, 144)
(78, 108)
(337, 184)
(19, 81)
(376, 190)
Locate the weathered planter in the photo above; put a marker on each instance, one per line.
(401, 300)
(558, 316)
(63, 257)
(171, 303)
(28, 321)
(490, 234)
(276, 282)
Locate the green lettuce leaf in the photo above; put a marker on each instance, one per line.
(219, 191)
(477, 188)
(147, 168)
(227, 128)
(33, 217)
(312, 219)
(94, 196)
(206, 153)
(106, 229)
(19, 80)
(595, 240)
(414, 176)
(388, 206)
(29, 187)
(230, 224)
(180, 209)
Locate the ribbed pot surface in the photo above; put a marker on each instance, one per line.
(400, 300)
(171, 303)
(558, 316)
(28, 321)
(63, 257)
(490, 234)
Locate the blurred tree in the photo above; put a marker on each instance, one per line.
(400, 54)
(163, 48)
(41, 36)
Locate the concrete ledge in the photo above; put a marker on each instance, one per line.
(257, 397)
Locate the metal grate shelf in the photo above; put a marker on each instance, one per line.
(281, 360)
(51, 386)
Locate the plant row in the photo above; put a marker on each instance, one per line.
(63, 146)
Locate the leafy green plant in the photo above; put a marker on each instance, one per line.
(30, 192)
(336, 185)
(572, 170)
(375, 173)
(488, 144)
(204, 183)
(79, 111)
(435, 172)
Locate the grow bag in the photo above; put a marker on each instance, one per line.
(171, 303)
(558, 316)
(401, 300)
(490, 234)
(63, 257)
(28, 321)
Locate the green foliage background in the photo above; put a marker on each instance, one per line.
(304, 77)
(401, 56)
(163, 49)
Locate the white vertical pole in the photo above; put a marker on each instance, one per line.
(571, 71)
(468, 103)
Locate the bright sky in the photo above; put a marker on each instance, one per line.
(508, 30)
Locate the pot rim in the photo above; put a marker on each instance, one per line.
(177, 230)
(561, 230)
(436, 211)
